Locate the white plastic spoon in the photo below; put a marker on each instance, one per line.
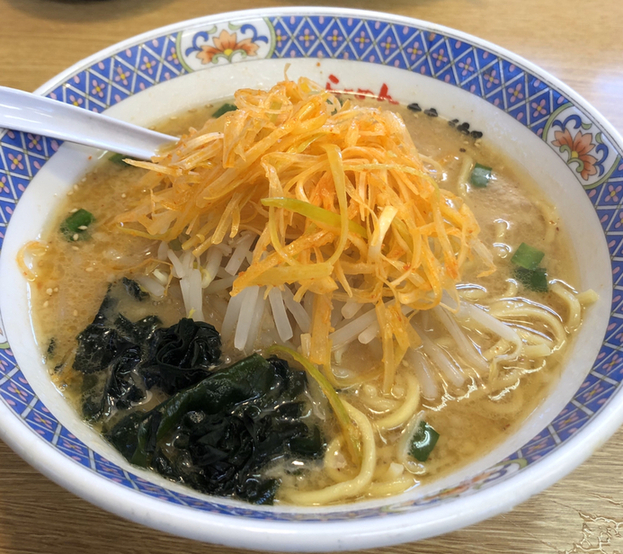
(24, 111)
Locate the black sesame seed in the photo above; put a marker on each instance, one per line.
(414, 107)
(463, 128)
(453, 122)
(476, 134)
(462, 150)
(431, 112)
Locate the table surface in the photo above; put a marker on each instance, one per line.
(578, 41)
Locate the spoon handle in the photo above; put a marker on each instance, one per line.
(24, 111)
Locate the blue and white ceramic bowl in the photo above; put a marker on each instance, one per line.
(540, 123)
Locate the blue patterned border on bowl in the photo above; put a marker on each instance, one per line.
(580, 141)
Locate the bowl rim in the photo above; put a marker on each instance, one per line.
(256, 534)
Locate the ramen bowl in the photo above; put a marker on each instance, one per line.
(542, 125)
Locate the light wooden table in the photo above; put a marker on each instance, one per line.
(579, 41)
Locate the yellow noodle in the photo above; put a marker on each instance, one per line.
(392, 487)
(511, 289)
(466, 168)
(550, 215)
(378, 403)
(574, 308)
(335, 463)
(510, 404)
(512, 309)
(536, 351)
(353, 487)
(406, 411)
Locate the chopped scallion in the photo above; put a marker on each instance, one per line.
(423, 441)
(117, 159)
(224, 109)
(527, 257)
(76, 225)
(120, 159)
(481, 175)
(315, 213)
(533, 279)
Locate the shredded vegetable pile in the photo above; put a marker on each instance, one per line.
(336, 199)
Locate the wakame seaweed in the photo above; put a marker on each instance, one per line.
(219, 435)
(134, 289)
(220, 429)
(121, 359)
(183, 353)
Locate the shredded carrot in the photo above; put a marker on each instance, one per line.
(338, 195)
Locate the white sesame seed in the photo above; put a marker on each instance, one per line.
(55, 289)
(75, 237)
(46, 304)
(75, 248)
(73, 211)
(49, 292)
(70, 193)
(83, 227)
(124, 195)
(76, 187)
(89, 269)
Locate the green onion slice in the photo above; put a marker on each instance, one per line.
(481, 175)
(118, 159)
(76, 225)
(527, 257)
(224, 109)
(533, 279)
(423, 441)
(315, 213)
